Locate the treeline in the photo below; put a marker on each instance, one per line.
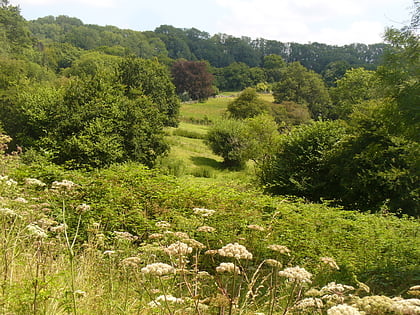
(220, 50)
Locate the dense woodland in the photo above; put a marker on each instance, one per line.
(313, 210)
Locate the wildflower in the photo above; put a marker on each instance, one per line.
(296, 274)
(8, 212)
(36, 231)
(211, 252)
(82, 208)
(330, 262)
(205, 228)
(131, 261)
(256, 227)
(414, 290)
(155, 236)
(375, 304)
(158, 269)
(11, 182)
(194, 243)
(125, 236)
(34, 182)
(181, 235)
(63, 185)
(228, 267)
(59, 228)
(96, 225)
(21, 199)
(336, 288)
(279, 248)
(163, 225)
(235, 250)
(407, 306)
(203, 212)
(109, 252)
(309, 303)
(178, 249)
(169, 298)
(273, 263)
(46, 222)
(343, 309)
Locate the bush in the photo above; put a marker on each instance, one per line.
(227, 138)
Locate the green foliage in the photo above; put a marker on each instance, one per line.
(300, 166)
(227, 139)
(356, 86)
(289, 114)
(303, 86)
(248, 104)
(149, 77)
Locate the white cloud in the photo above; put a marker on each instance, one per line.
(326, 21)
(89, 3)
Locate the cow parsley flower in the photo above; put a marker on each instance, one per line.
(296, 274)
(131, 262)
(204, 212)
(343, 309)
(330, 262)
(36, 231)
(178, 249)
(158, 269)
(235, 250)
(228, 267)
(206, 229)
(279, 248)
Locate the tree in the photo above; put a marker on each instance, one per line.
(248, 104)
(356, 86)
(194, 78)
(305, 87)
(150, 78)
(227, 138)
(273, 66)
(300, 165)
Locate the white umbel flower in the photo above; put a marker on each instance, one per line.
(158, 269)
(235, 250)
(296, 274)
(228, 267)
(343, 309)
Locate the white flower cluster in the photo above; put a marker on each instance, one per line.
(34, 182)
(336, 288)
(155, 236)
(228, 267)
(36, 231)
(163, 225)
(8, 212)
(158, 269)
(194, 243)
(125, 236)
(330, 262)
(309, 303)
(407, 306)
(296, 274)
(181, 235)
(235, 250)
(178, 249)
(273, 263)
(59, 228)
(343, 309)
(279, 248)
(376, 304)
(205, 228)
(203, 212)
(63, 185)
(21, 200)
(82, 208)
(131, 262)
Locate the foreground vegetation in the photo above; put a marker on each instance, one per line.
(128, 240)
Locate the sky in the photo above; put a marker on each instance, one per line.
(334, 22)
